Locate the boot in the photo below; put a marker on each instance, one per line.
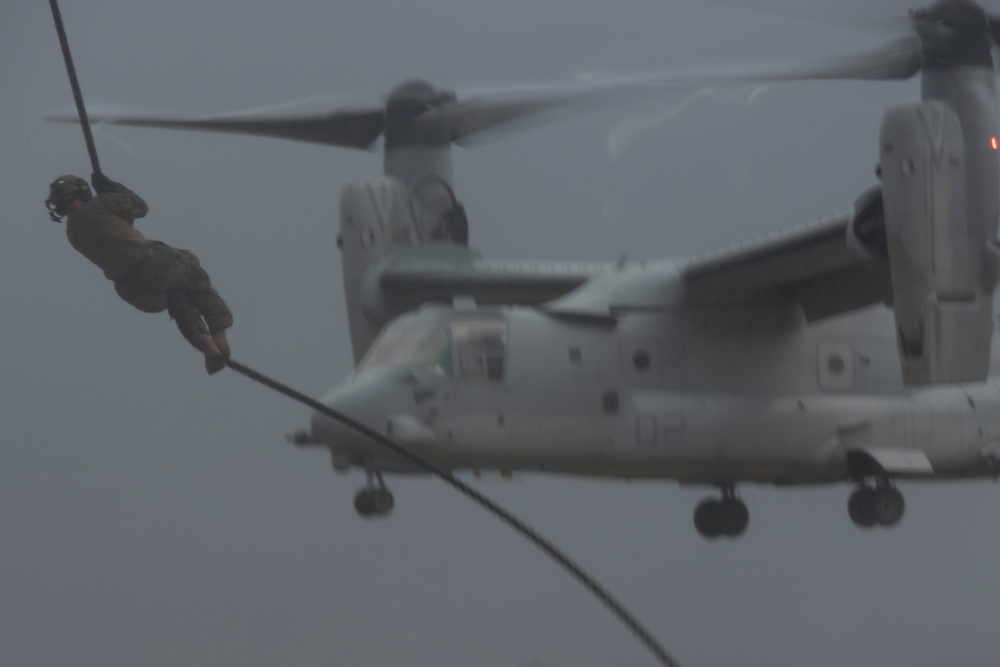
(214, 363)
(219, 338)
(192, 327)
(214, 359)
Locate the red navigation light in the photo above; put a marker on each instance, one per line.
(993, 142)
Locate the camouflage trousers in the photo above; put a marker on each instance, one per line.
(170, 279)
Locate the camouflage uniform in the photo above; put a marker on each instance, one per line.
(167, 278)
(150, 275)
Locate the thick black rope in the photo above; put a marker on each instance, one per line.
(588, 581)
(77, 95)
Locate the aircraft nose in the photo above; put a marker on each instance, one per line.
(379, 399)
(356, 398)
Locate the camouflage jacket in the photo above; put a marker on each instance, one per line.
(101, 230)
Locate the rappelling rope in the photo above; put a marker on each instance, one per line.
(532, 536)
(75, 85)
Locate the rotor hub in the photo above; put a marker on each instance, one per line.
(953, 32)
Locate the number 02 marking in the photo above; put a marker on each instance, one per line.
(653, 430)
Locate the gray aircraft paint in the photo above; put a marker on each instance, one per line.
(729, 402)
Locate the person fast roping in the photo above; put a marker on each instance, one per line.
(150, 275)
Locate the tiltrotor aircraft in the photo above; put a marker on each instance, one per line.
(775, 362)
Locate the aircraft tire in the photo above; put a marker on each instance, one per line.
(861, 507)
(888, 506)
(382, 502)
(735, 518)
(708, 518)
(364, 503)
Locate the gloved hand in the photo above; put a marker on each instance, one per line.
(102, 183)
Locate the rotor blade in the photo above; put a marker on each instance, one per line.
(346, 128)
(897, 60)
(467, 118)
(480, 118)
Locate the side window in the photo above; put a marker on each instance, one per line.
(481, 346)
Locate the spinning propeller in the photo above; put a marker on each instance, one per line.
(948, 33)
(414, 113)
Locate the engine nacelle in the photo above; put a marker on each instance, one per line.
(377, 219)
(942, 297)
(384, 222)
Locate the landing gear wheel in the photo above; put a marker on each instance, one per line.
(861, 507)
(374, 500)
(727, 516)
(708, 518)
(888, 506)
(881, 506)
(735, 518)
(364, 503)
(382, 501)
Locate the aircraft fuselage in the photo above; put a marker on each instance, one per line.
(703, 396)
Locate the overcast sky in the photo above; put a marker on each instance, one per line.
(152, 515)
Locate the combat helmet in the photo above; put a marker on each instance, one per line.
(62, 191)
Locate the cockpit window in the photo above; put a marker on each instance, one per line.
(481, 347)
(424, 345)
(478, 344)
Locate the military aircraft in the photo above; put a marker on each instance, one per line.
(855, 348)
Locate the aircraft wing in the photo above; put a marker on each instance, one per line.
(422, 275)
(811, 265)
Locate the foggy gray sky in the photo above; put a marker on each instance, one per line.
(151, 515)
